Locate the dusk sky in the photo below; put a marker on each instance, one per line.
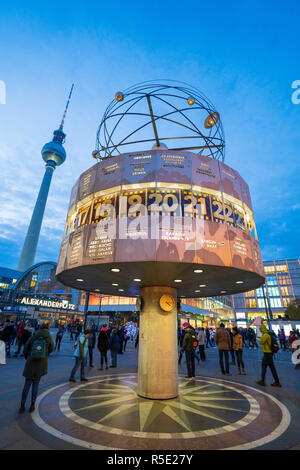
(244, 56)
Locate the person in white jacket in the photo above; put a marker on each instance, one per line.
(2, 353)
(201, 342)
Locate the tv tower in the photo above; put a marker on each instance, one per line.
(53, 154)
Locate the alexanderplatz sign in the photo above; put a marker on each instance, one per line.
(160, 224)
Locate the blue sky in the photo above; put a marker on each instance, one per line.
(243, 55)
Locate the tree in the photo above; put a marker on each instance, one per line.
(293, 310)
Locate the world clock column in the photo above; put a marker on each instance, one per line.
(158, 353)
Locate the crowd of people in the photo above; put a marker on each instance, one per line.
(231, 343)
(37, 344)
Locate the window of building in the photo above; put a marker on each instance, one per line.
(282, 268)
(275, 302)
(261, 303)
(251, 293)
(251, 303)
(269, 269)
(271, 281)
(273, 291)
(259, 292)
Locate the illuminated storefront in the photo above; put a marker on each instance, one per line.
(36, 295)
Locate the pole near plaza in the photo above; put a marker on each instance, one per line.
(53, 154)
(86, 307)
(266, 307)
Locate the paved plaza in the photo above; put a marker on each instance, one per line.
(212, 412)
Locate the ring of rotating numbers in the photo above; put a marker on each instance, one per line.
(160, 202)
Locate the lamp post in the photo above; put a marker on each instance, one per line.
(266, 307)
(86, 306)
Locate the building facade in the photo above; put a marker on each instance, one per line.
(270, 301)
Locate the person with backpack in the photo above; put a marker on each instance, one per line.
(81, 351)
(189, 346)
(36, 352)
(269, 347)
(91, 343)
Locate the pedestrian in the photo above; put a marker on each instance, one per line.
(36, 352)
(224, 345)
(80, 354)
(282, 339)
(189, 345)
(25, 335)
(120, 333)
(126, 338)
(266, 342)
(207, 333)
(91, 344)
(103, 346)
(238, 348)
(59, 336)
(231, 347)
(201, 340)
(114, 344)
(6, 334)
(2, 353)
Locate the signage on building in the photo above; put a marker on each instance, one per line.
(64, 304)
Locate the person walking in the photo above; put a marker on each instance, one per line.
(5, 336)
(103, 346)
(224, 345)
(267, 361)
(114, 344)
(238, 348)
(80, 354)
(36, 352)
(231, 347)
(201, 342)
(207, 333)
(126, 338)
(120, 333)
(188, 346)
(59, 336)
(26, 334)
(91, 343)
(282, 339)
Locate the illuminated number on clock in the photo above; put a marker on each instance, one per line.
(174, 201)
(155, 206)
(105, 210)
(134, 200)
(188, 208)
(218, 214)
(228, 214)
(202, 201)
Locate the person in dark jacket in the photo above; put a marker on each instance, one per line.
(232, 348)
(120, 333)
(103, 346)
(114, 344)
(91, 344)
(6, 335)
(35, 368)
(188, 348)
(224, 345)
(58, 337)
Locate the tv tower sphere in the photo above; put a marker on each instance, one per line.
(54, 151)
